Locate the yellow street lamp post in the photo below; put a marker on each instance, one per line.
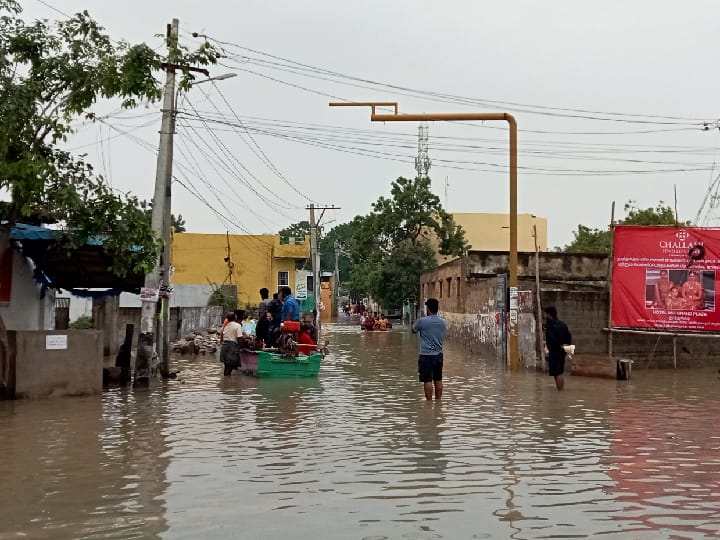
(455, 117)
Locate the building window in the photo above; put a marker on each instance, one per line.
(440, 295)
(283, 278)
(458, 287)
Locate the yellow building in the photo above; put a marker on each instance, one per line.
(248, 261)
(491, 232)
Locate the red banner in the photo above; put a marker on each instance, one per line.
(665, 278)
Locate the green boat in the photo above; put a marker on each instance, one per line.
(275, 365)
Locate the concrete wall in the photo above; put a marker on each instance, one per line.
(256, 261)
(26, 310)
(182, 296)
(182, 320)
(575, 284)
(36, 371)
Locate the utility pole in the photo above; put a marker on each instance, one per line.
(315, 257)
(336, 277)
(144, 366)
(315, 267)
(538, 326)
(460, 116)
(163, 340)
(161, 204)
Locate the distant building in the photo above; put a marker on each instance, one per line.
(249, 262)
(491, 232)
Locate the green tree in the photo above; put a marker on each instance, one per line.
(588, 240)
(296, 230)
(340, 236)
(178, 223)
(394, 244)
(52, 74)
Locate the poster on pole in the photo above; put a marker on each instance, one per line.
(665, 278)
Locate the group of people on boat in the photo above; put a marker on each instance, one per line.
(275, 318)
(373, 321)
(670, 295)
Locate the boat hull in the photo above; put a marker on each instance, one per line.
(273, 365)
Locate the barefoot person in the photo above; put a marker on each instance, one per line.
(556, 335)
(230, 350)
(432, 330)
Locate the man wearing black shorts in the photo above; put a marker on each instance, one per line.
(557, 335)
(432, 330)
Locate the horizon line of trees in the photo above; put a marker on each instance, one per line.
(384, 252)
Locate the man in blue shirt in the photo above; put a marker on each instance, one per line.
(291, 307)
(432, 330)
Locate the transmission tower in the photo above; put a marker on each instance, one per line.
(422, 161)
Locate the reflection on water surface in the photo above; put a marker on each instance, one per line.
(359, 454)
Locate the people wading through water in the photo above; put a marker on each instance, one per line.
(557, 335)
(430, 363)
(230, 350)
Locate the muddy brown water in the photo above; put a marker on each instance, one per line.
(359, 454)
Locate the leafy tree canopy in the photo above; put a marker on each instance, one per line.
(384, 253)
(340, 234)
(51, 74)
(296, 230)
(394, 244)
(178, 223)
(340, 238)
(589, 240)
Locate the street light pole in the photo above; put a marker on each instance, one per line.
(454, 117)
(144, 366)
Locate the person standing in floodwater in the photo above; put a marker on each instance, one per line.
(430, 363)
(557, 335)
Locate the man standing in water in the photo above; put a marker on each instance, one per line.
(432, 330)
(557, 335)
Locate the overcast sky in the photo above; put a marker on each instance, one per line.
(645, 57)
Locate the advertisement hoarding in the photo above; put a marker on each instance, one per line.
(665, 278)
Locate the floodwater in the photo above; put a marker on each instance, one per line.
(359, 454)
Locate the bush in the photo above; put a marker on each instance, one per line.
(82, 323)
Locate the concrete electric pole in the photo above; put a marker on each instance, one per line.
(336, 277)
(145, 366)
(144, 363)
(315, 257)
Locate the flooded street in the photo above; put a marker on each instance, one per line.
(359, 454)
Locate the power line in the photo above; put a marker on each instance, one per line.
(262, 155)
(333, 142)
(588, 114)
(233, 223)
(48, 5)
(271, 204)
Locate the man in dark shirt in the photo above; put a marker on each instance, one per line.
(557, 335)
(275, 310)
(263, 323)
